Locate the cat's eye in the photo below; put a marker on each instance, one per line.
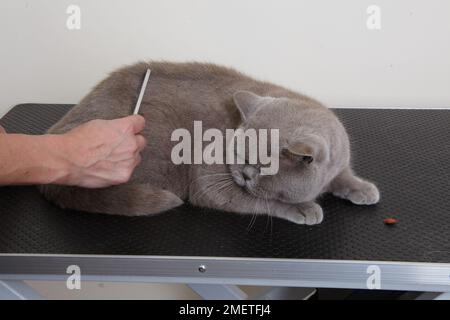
(307, 159)
(296, 157)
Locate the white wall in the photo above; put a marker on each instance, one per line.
(322, 48)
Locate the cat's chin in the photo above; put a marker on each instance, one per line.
(238, 178)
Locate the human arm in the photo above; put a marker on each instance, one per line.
(96, 154)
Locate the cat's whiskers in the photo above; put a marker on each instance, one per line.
(267, 207)
(227, 188)
(225, 184)
(214, 186)
(208, 176)
(216, 177)
(208, 188)
(254, 214)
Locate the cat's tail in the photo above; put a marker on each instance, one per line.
(127, 199)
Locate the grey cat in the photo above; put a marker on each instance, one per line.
(314, 146)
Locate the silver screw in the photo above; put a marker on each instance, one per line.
(202, 268)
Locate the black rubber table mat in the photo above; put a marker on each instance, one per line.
(406, 152)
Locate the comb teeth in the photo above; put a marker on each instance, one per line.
(141, 93)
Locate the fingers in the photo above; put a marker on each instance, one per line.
(141, 142)
(137, 160)
(113, 155)
(137, 122)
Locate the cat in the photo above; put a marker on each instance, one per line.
(314, 146)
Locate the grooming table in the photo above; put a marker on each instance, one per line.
(405, 152)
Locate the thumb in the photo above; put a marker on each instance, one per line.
(2, 130)
(137, 122)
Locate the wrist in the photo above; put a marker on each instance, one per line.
(57, 153)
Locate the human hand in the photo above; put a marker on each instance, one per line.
(102, 153)
(2, 130)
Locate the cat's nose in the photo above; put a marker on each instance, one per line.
(249, 173)
(246, 177)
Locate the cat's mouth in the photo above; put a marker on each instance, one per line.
(248, 185)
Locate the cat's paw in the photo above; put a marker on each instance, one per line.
(306, 213)
(366, 194)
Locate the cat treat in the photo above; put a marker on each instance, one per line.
(390, 221)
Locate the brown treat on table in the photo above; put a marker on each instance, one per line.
(390, 221)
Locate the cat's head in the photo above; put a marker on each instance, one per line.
(303, 149)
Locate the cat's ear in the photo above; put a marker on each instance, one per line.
(247, 102)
